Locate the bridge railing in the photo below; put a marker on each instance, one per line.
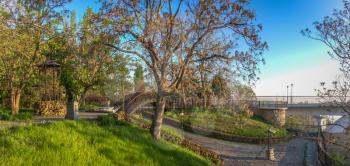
(269, 104)
(293, 99)
(300, 99)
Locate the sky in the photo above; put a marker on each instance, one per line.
(292, 57)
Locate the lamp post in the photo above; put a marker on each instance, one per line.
(287, 93)
(270, 152)
(291, 93)
(182, 123)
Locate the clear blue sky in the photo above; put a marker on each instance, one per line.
(291, 58)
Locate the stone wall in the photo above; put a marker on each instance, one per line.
(275, 116)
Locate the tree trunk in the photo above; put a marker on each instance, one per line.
(72, 107)
(82, 98)
(158, 117)
(15, 98)
(183, 97)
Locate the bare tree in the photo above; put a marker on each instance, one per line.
(166, 33)
(337, 95)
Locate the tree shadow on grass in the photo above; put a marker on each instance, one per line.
(134, 145)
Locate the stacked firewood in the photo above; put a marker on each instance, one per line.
(51, 108)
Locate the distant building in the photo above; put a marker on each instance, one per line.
(337, 128)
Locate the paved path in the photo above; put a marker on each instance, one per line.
(241, 154)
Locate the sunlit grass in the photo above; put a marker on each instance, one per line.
(89, 143)
(224, 121)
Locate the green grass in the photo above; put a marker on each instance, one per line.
(227, 122)
(164, 128)
(23, 114)
(340, 159)
(89, 107)
(301, 123)
(89, 143)
(172, 132)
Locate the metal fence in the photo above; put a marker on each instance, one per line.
(292, 99)
(269, 104)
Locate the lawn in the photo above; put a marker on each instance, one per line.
(226, 121)
(89, 107)
(89, 143)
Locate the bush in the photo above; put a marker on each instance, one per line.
(24, 114)
(89, 107)
(259, 118)
(5, 114)
(106, 120)
(340, 159)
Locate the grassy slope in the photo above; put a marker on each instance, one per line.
(225, 122)
(87, 143)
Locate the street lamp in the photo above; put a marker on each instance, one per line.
(291, 93)
(287, 93)
(270, 151)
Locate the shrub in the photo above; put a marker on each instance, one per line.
(5, 115)
(89, 107)
(106, 120)
(340, 159)
(24, 114)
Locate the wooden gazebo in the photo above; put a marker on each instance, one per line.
(51, 103)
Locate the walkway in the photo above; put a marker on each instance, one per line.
(241, 154)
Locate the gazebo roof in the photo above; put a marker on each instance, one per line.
(49, 63)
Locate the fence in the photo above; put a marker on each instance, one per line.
(325, 157)
(269, 104)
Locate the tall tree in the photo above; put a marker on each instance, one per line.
(25, 27)
(86, 63)
(139, 82)
(118, 84)
(164, 34)
(243, 95)
(219, 86)
(96, 61)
